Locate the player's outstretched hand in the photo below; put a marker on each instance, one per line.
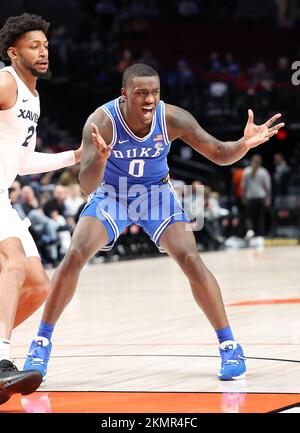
(103, 149)
(258, 134)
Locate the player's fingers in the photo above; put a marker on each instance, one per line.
(273, 133)
(250, 116)
(276, 127)
(96, 140)
(272, 119)
(95, 128)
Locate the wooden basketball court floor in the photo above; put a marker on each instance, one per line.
(134, 341)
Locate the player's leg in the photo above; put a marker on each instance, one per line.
(98, 228)
(13, 264)
(36, 286)
(179, 242)
(13, 272)
(35, 290)
(89, 236)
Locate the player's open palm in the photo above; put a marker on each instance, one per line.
(258, 134)
(103, 149)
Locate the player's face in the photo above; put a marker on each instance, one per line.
(142, 96)
(30, 52)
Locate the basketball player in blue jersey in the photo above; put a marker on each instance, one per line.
(131, 137)
(24, 284)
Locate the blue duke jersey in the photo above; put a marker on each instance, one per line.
(143, 164)
(140, 160)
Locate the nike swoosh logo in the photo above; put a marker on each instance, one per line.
(122, 141)
(25, 100)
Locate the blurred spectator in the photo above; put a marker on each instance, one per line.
(56, 205)
(256, 10)
(261, 77)
(43, 228)
(14, 196)
(231, 66)
(106, 8)
(148, 58)
(236, 226)
(69, 176)
(284, 91)
(126, 61)
(280, 176)
(215, 64)
(185, 80)
(256, 190)
(187, 8)
(236, 181)
(185, 73)
(218, 99)
(57, 210)
(47, 181)
(213, 214)
(288, 12)
(28, 199)
(74, 200)
(59, 54)
(282, 72)
(205, 212)
(194, 202)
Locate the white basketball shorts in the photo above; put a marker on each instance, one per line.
(12, 226)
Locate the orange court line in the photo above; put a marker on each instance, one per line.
(148, 402)
(265, 302)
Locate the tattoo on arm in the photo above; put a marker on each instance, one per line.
(91, 167)
(183, 125)
(105, 128)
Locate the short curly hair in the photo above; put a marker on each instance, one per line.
(16, 26)
(137, 70)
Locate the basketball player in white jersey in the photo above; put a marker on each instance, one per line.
(24, 284)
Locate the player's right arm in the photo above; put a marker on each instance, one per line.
(8, 91)
(95, 150)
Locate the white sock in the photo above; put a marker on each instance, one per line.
(4, 349)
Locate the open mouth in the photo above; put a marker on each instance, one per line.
(42, 64)
(148, 112)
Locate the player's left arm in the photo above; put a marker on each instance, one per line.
(182, 124)
(38, 162)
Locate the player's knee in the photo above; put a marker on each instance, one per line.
(43, 290)
(75, 259)
(16, 265)
(190, 263)
(37, 292)
(186, 258)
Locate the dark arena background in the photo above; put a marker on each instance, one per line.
(132, 340)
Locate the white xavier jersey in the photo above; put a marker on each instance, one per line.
(17, 131)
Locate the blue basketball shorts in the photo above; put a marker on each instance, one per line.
(153, 208)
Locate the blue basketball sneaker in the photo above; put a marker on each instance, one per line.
(233, 365)
(38, 355)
